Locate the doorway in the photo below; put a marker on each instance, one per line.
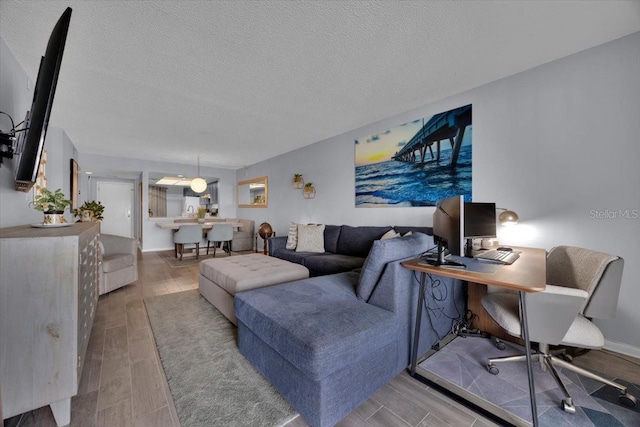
(118, 199)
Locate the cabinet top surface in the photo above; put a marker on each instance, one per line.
(27, 231)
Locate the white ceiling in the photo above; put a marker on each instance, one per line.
(236, 82)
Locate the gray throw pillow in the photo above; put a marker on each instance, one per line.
(310, 238)
(385, 251)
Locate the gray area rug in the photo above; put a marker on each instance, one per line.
(461, 365)
(211, 383)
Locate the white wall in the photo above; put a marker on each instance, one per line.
(557, 144)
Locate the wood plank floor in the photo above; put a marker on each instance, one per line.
(123, 383)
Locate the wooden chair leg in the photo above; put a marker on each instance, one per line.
(215, 245)
(175, 249)
(197, 250)
(208, 247)
(181, 249)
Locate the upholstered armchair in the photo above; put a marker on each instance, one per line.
(118, 264)
(243, 238)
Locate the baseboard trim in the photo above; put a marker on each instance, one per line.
(622, 348)
(160, 249)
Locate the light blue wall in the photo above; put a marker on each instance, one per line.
(16, 92)
(559, 144)
(154, 238)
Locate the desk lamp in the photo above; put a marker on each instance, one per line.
(507, 217)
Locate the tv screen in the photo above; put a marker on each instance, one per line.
(31, 143)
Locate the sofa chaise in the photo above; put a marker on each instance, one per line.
(345, 248)
(327, 343)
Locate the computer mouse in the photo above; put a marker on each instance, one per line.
(504, 249)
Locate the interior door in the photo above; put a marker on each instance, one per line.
(117, 198)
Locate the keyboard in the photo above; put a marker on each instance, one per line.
(502, 257)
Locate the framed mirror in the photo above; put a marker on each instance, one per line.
(253, 193)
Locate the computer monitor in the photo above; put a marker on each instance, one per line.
(448, 229)
(479, 222)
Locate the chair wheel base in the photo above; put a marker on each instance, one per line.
(628, 400)
(568, 407)
(500, 345)
(493, 369)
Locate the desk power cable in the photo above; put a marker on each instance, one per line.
(438, 291)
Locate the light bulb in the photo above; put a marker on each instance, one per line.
(198, 185)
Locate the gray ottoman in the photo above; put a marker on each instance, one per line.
(220, 279)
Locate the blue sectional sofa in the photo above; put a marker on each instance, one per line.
(327, 343)
(345, 248)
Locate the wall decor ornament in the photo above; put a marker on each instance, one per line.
(298, 182)
(417, 163)
(309, 191)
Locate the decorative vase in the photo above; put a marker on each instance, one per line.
(309, 192)
(54, 217)
(87, 216)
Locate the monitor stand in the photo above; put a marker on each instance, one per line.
(441, 262)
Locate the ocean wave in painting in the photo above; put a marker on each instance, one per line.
(395, 183)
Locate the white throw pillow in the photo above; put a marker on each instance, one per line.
(292, 237)
(390, 234)
(310, 238)
(408, 233)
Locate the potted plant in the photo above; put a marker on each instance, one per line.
(52, 204)
(298, 182)
(201, 214)
(309, 191)
(90, 211)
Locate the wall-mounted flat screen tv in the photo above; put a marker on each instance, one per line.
(31, 140)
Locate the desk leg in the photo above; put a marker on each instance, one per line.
(527, 346)
(416, 334)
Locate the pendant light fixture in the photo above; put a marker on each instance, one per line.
(198, 184)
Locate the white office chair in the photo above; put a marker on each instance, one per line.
(582, 284)
(187, 234)
(220, 233)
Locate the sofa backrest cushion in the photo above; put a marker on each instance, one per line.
(404, 230)
(357, 241)
(331, 235)
(385, 251)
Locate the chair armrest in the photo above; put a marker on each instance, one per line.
(118, 244)
(551, 312)
(277, 243)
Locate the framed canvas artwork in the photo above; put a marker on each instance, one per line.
(417, 163)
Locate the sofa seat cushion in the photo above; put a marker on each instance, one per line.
(324, 328)
(115, 262)
(329, 263)
(240, 273)
(293, 256)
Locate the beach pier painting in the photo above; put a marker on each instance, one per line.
(398, 167)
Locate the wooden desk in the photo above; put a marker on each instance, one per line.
(527, 274)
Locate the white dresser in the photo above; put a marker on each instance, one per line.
(48, 298)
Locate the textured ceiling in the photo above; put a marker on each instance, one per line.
(236, 82)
